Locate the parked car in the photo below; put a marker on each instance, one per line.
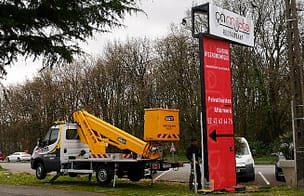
(19, 156)
(244, 161)
(278, 172)
(285, 153)
(2, 156)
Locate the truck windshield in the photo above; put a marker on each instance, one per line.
(51, 136)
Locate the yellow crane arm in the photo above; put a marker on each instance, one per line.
(97, 133)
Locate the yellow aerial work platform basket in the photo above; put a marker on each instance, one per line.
(161, 125)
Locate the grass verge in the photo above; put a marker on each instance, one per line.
(264, 160)
(128, 188)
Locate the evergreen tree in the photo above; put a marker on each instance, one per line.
(50, 28)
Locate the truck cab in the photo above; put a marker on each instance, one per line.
(60, 144)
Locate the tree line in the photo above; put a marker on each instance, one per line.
(116, 87)
(161, 73)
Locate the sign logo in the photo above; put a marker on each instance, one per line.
(230, 26)
(238, 24)
(169, 118)
(121, 140)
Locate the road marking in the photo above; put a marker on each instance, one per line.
(161, 175)
(263, 177)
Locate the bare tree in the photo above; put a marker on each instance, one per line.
(177, 79)
(260, 76)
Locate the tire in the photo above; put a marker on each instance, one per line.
(40, 171)
(104, 175)
(73, 175)
(278, 178)
(251, 175)
(18, 159)
(7, 159)
(276, 174)
(135, 174)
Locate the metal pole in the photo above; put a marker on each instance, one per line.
(202, 139)
(294, 138)
(194, 173)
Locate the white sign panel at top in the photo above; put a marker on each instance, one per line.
(230, 26)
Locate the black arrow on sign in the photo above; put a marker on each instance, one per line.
(213, 135)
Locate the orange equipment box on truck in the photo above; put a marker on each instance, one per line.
(161, 125)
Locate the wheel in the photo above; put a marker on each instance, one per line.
(251, 176)
(7, 159)
(40, 171)
(276, 173)
(73, 174)
(135, 174)
(104, 175)
(278, 178)
(18, 159)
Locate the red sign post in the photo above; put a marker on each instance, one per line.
(218, 117)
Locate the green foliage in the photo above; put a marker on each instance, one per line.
(286, 145)
(264, 160)
(261, 148)
(50, 28)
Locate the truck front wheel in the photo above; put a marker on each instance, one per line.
(40, 171)
(103, 175)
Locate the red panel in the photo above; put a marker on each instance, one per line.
(219, 117)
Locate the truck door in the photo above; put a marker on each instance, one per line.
(51, 150)
(71, 146)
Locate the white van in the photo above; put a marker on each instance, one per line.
(244, 160)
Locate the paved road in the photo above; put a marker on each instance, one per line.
(17, 167)
(182, 175)
(268, 172)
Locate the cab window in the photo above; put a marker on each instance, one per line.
(72, 134)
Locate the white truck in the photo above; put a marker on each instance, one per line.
(83, 147)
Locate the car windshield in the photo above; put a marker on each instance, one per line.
(242, 148)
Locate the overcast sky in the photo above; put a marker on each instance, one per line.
(160, 14)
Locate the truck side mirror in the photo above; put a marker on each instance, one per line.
(40, 143)
(253, 152)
